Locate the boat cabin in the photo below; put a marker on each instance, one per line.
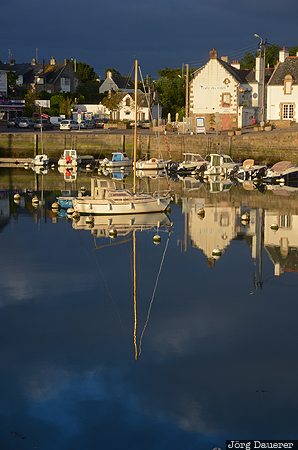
(220, 164)
(119, 156)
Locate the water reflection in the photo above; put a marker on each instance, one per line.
(217, 362)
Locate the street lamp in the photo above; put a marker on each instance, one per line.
(263, 43)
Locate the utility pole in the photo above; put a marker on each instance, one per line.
(262, 46)
(186, 90)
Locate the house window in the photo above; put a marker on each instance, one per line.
(225, 99)
(127, 102)
(288, 111)
(285, 221)
(288, 80)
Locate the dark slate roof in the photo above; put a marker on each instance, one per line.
(123, 82)
(50, 72)
(3, 66)
(239, 74)
(288, 67)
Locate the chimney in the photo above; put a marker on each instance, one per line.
(297, 54)
(259, 65)
(33, 62)
(283, 54)
(213, 54)
(52, 61)
(66, 61)
(224, 58)
(109, 74)
(235, 64)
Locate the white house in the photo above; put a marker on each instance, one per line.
(126, 107)
(224, 95)
(3, 80)
(282, 90)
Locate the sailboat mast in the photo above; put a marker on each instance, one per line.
(135, 293)
(135, 127)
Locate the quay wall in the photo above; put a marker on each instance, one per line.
(264, 147)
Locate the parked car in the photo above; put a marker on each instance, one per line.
(99, 123)
(68, 124)
(146, 124)
(12, 122)
(25, 123)
(55, 121)
(132, 124)
(44, 123)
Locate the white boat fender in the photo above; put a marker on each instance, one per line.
(35, 200)
(113, 233)
(76, 215)
(82, 189)
(26, 165)
(122, 169)
(89, 219)
(216, 252)
(69, 211)
(17, 197)
(201, 213)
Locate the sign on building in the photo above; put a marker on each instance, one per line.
(200, 125)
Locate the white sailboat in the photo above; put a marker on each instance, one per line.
(106, 199)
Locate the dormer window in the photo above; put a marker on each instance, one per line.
(288, 81)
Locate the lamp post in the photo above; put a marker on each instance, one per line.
(262, 45)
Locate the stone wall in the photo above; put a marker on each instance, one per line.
(267, 147)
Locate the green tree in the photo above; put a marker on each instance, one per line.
(293, 51)
(248, 61)
(272, 54)
(11, 84)
(85, 72)
(112, 102)
(171, 91)
(30, 107)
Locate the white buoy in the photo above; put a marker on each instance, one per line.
(156, 239)
(88, 167)
(17, 197)
(26, 165)
(113, 233)
(82, 189)
(245, 217)
(122, 168)
(53, 166)
(35, 200)
(274, 227)
(55, 206)
(70, 211)
(216, 253)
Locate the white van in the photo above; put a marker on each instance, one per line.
(55, 121)
(68, 124)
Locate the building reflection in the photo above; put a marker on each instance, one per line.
(281, 241)
(211, 227)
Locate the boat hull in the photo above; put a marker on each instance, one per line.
(88, 205)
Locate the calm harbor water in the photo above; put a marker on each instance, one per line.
(206, 352)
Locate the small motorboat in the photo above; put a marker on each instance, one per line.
(119, 159)
(41, 160)
(152, 164)
(193, 162)
(250, 171)
(69, 158)
(283, 172)
(220, 164)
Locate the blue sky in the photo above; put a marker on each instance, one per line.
(160, 34)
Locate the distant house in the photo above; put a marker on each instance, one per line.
(24, 73)
(3, 80)
(56, 77)
(126, 107)
(115, 82)
(224, 95)
(282, 90)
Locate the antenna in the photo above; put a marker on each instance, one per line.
(36, 54)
